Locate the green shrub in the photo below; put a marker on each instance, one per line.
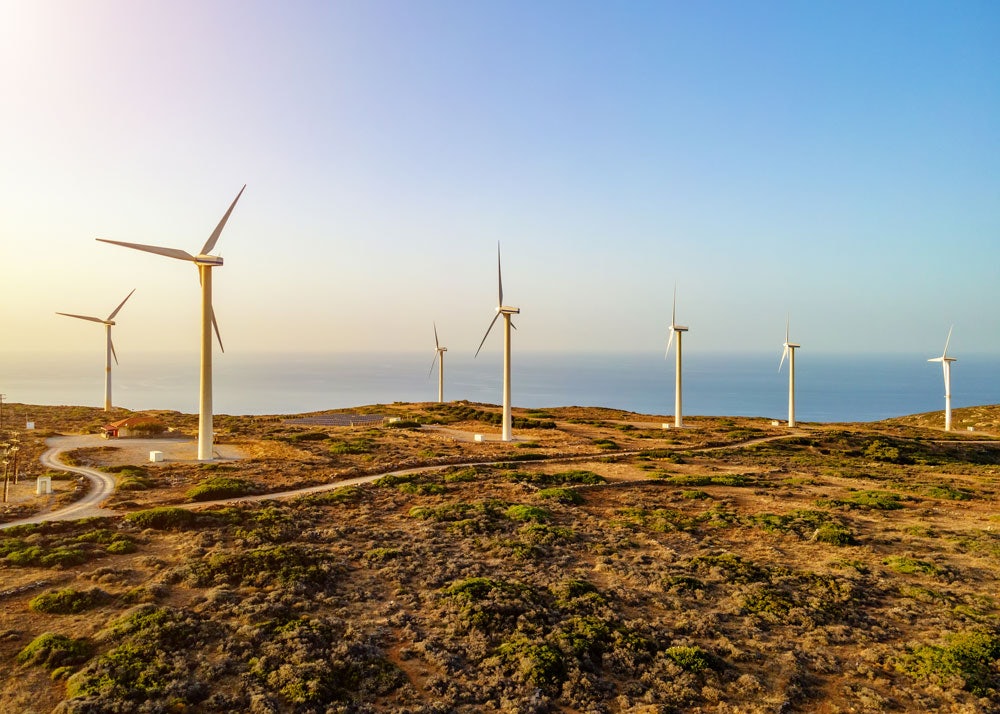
(52, 651)
(121, 546)
(567, 496)
(950, 493)
(267, 566)
(162, 518)
(909, 566)
(355, 446)
(968, 656)
(606, 444)
(219, 487)
(695, 495)
(834, 534)
(539, 663)
(564, 477)
(879, 450)
(67, 601)
(874, 500)
(692, 659)
(380, 555)
(523, 512)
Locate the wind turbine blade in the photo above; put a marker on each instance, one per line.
(784, 354)
(513, 325)
(786, 330)
(670, 340)
(673, 314)
(113, 353)
(217, 335)
(433, 362)
(487, 334)
(112, 315)
(947, 342)
(437, 345)
(499, 275)
(82, 317)
(212, 239)
(169, 252)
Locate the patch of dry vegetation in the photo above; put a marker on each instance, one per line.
(839, 568)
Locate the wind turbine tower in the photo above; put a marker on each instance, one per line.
(679, 330)
(506, 311)
(109, 348)
(789, 352)
(205, 262)
(946, 361)
(439, 358)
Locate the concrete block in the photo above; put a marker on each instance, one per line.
(43, 485)
(479, 437)
(156, 456)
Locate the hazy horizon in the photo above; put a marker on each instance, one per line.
(835, 162)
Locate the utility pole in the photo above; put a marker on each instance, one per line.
(2, 397)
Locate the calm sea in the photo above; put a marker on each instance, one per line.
(829, 387)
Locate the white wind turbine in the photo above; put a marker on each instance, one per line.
(506, 311)
(205, 263)
(679, 330)
(439, 358)
(110, 347)
(946, 361)
(789, 352)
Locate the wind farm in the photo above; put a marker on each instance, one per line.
(109, 351)
(314, 528)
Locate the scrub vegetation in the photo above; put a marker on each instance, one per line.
(727, 567)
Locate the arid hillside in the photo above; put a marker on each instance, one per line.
(599, 563)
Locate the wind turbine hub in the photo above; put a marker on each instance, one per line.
(212, 260)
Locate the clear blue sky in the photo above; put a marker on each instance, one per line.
(836, 160)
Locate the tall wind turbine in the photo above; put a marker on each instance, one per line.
(789, 352)
(439, 358)
(506, 311)
(109, 349)
(946, 361)
(205, 263)
(679, 330)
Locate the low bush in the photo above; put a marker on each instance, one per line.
(162, 518)
(220, 487)
(522, 512)
(51, 650)
(971, 657)
(68, 601)
(567, 496)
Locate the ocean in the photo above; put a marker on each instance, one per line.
(829, 388)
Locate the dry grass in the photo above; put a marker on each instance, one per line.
(715, 569)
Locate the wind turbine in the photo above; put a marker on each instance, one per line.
(110, 349)
(506, 311)
(789, 352)
(946, 361)
(679, 330)
(439, 358)
(205, 263)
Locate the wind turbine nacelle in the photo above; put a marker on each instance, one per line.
(678, 328)
(442, 349)
(792, 346)
(509, 310)
(208, 259)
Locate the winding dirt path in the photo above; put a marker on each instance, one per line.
(103, 484)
